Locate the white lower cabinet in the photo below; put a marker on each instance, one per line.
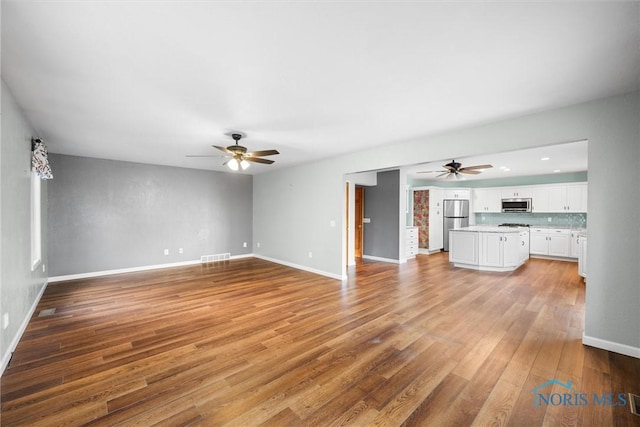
(524, 245)
(411, 242)
(582, 256)
(463, 247)
(499, 249)
(550, 241)
(485, 250)
(574, 244)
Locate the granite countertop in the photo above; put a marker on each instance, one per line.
(556, 227)
(489, 229)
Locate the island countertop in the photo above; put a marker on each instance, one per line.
(489, 229)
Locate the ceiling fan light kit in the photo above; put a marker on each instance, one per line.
(239, 157)
(235, 164)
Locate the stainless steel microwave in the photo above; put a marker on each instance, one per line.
(516, 205)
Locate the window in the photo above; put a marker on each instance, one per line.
(36, 221)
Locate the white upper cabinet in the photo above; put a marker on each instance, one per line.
(517, 193)
(540, 199)
(568, 198)
(577, 197)
(487, 200)
(457, 193)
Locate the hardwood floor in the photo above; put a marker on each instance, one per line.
(248, 342)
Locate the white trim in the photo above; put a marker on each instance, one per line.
(627, 350)
(377, 258)
(302, 267)
(553, 258)
(133, 269)
(23, 327)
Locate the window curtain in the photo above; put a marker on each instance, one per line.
(40, 159)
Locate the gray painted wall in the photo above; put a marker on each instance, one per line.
(381, 235)
(106, 214)
(610, 125)
(19, 285)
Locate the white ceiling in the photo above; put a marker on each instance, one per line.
(154, 81)
(547, 160)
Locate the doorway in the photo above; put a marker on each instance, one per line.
(358, 219)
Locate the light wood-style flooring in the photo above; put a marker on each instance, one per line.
(248, 342)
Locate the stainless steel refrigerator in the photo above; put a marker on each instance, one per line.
(456, 215)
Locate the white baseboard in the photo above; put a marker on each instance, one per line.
(6, 357)
(133, 269)
(376, 258)
(554, 258)
(301, 267)
(627, 350)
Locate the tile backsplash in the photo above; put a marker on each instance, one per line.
(572, 220)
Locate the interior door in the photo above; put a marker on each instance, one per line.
(358, 216)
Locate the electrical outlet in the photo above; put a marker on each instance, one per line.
(180, 250)
(258, 244)
(44, 268)
(166, 251)
(549, 219)
(310, 254)
(5, 321)
(244, 244)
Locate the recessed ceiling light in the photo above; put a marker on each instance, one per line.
(545, 158)
(556, 171)
(504, 168)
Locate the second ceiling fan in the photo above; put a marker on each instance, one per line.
(454, 168)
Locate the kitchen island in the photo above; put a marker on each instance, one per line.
(490, 248)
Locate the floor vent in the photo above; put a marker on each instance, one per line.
(47, 312)
(215, 257)
(634, 401)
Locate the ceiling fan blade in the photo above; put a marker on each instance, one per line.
(442, 174)
(258, 160)
(472, 172)
(204, 155)
(476, 167)
(432, 171)
(224, 150)
(262, 153)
